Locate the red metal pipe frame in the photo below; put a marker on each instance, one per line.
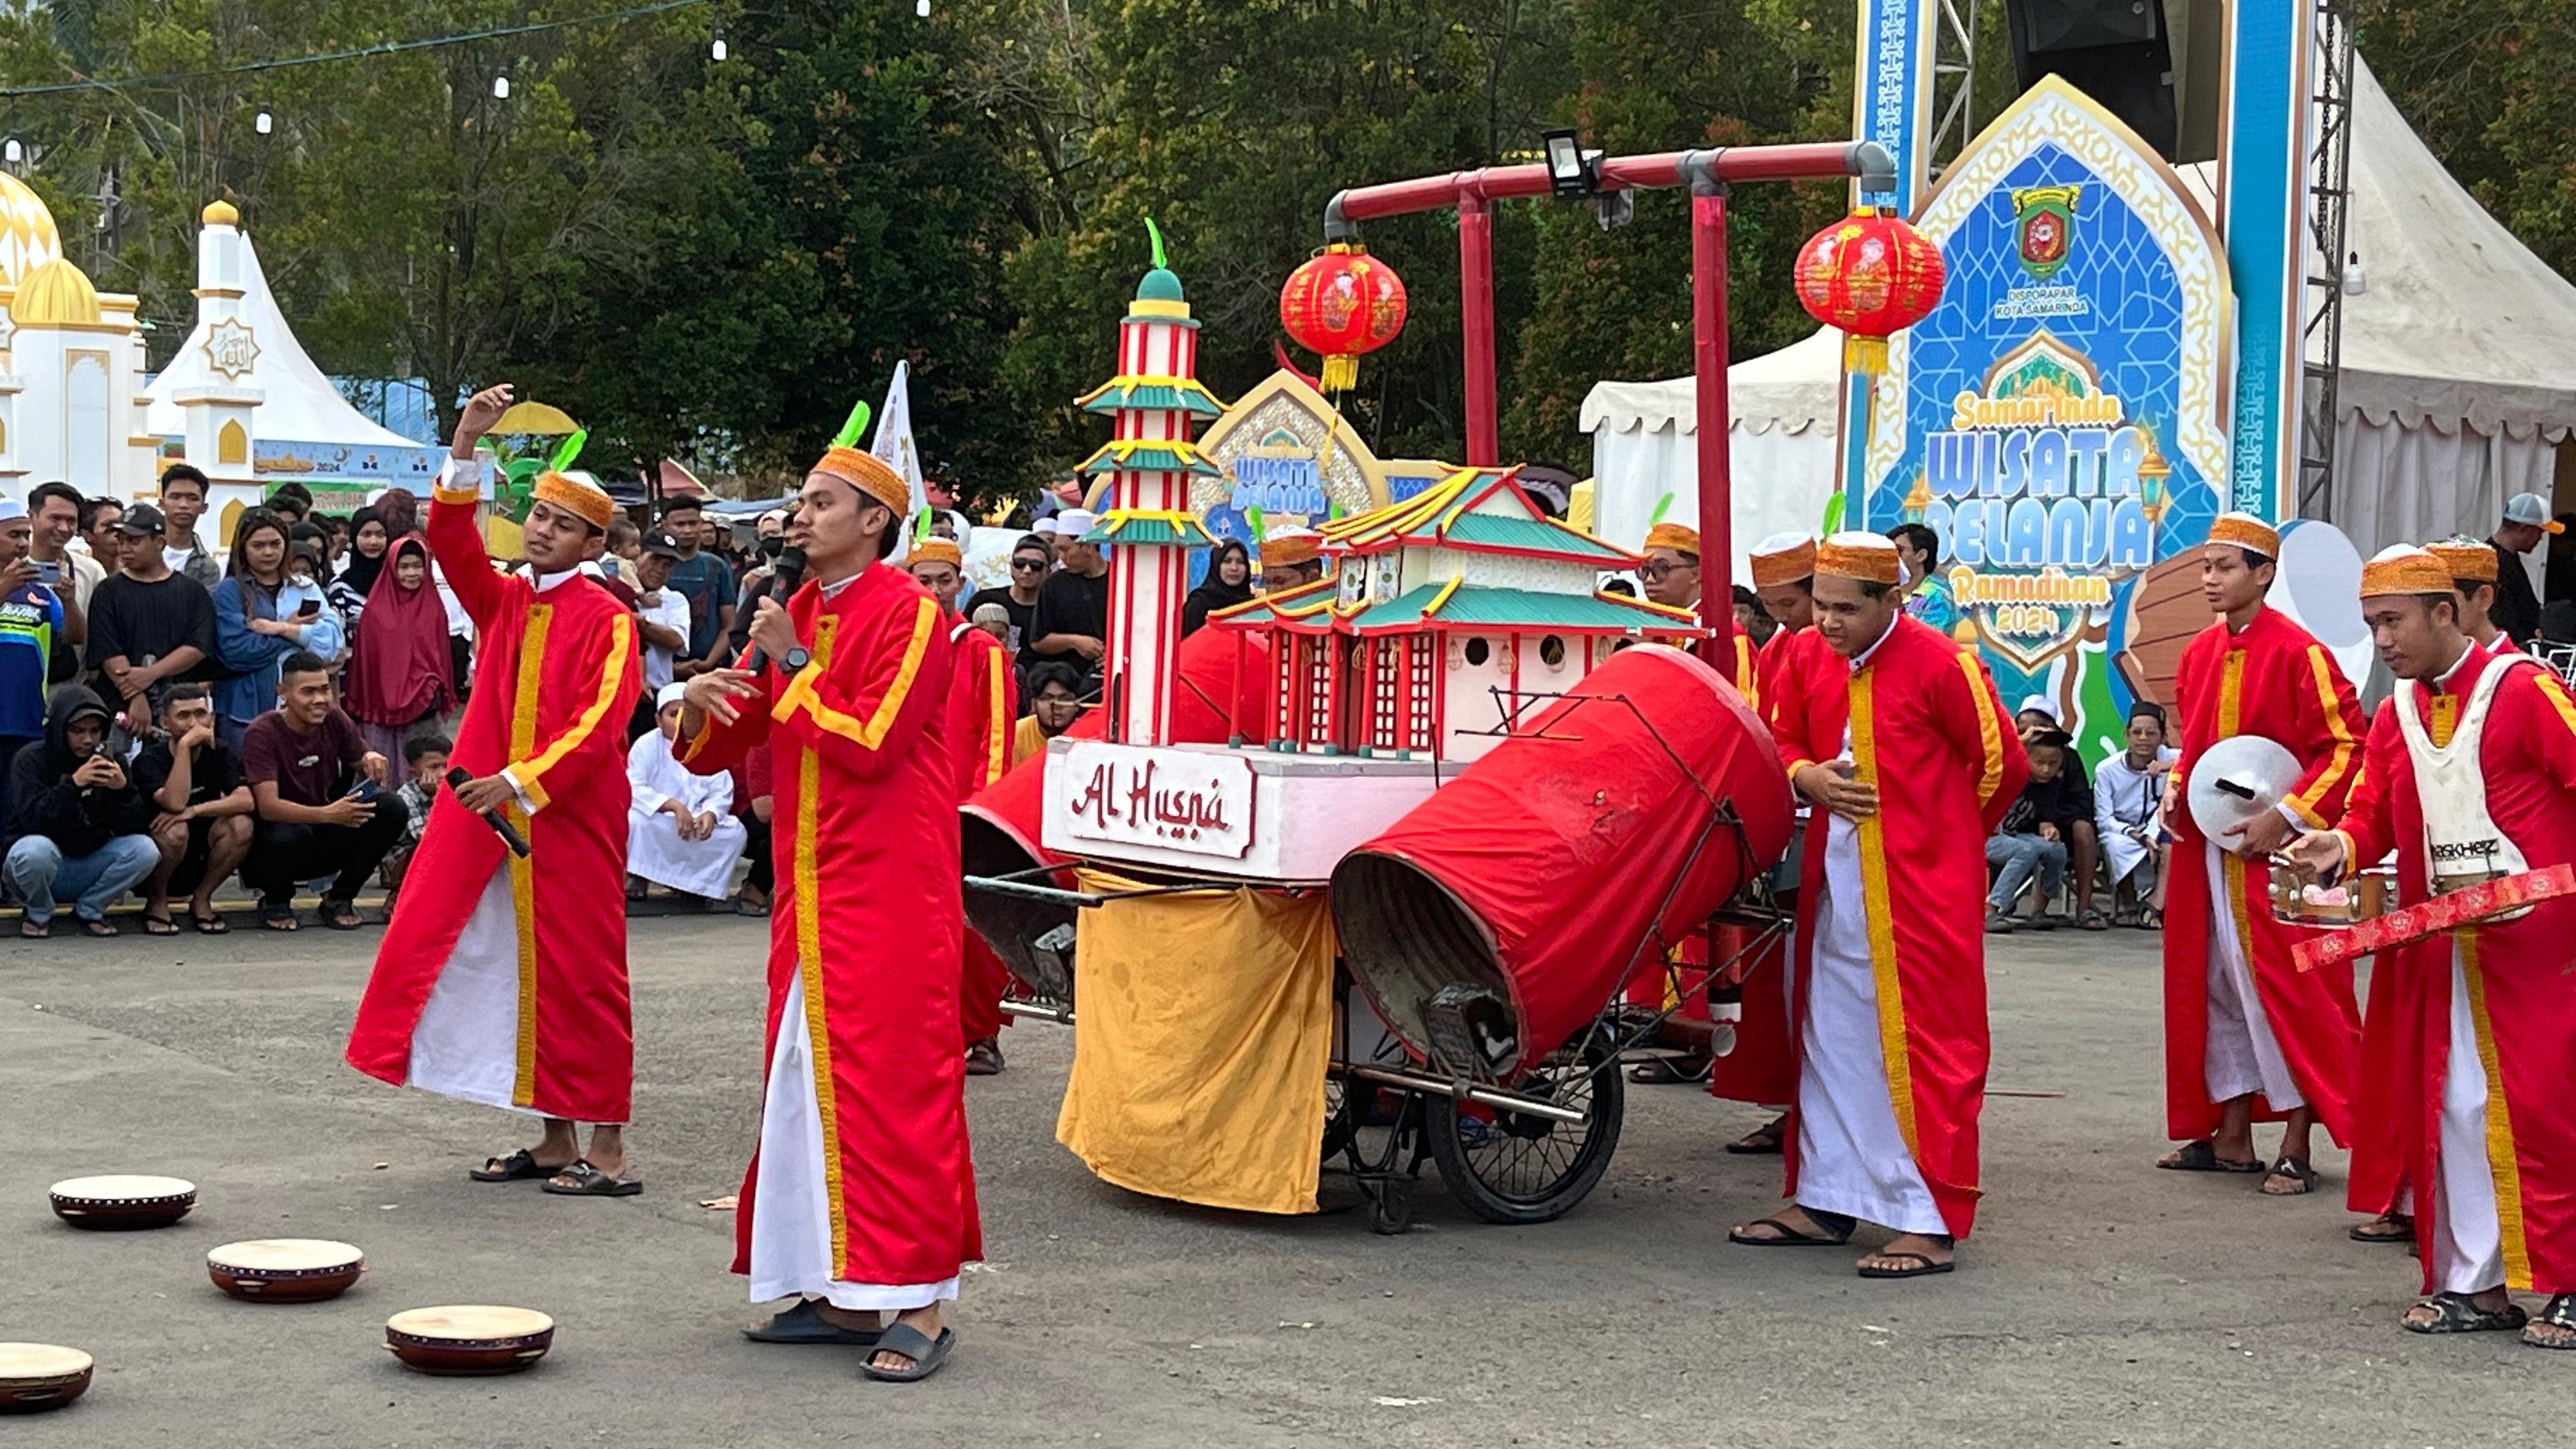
(1707, 174)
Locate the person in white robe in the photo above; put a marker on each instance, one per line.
(2126, 790)
(680, 830)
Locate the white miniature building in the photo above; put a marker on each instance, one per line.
(71, 364)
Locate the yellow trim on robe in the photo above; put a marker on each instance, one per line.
(997, 727)
(467, 496)
(1875, 901)
(2557, 693)
(809, 966)
(523, 895)
(2502, 1164)
(2231, 697)
(2306, 801)
(871, 732)
(612, 683)
(1990, 731)
(1747, 678)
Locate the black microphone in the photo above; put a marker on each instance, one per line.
(783, 583)
(458, 779)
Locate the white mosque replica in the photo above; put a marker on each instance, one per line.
(240, 399)
(1450, 614)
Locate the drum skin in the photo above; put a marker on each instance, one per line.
(1001, 829)
(123, 1202)
(1556, 863)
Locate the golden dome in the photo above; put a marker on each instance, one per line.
(55, 295)
(220, 213)
(27, 236)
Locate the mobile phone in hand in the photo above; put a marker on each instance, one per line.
(311, 608)
(48, 571)
(366, 791)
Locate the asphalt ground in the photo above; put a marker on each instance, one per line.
(2100, 1303)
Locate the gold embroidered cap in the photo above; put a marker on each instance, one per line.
(2466, 558)
(578, 496)
(1863, 556)
(867, 473)
(1678, 537)
(2404, 569)
(1783, 558)
(935, 549)
(1291, 546)
(2246, 531)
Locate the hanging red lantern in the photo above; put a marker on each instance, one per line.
(1870, 274)
(1341, 303)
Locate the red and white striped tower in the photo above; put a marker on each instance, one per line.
(1156, 400)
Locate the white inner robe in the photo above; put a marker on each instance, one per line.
(467, 1043)
(2241, 1055)
(2468, 1239)
(791, 1209)
(1852, 1157)
(654, 849)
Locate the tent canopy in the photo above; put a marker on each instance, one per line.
(300, 404)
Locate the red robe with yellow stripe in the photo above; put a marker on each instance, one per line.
(2274, 680)
(2521, 974)
(869, 917)
(1682, 986)
(983, 702)
(1927, 729)
(555, 678)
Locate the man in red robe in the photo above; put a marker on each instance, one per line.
(1763, 1067)
(1904, 746)
(502, 978)
(861, 1198)
(2471, 775)
(2248, 1037)
(983, 700)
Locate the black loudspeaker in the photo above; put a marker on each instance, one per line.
(2116, 51)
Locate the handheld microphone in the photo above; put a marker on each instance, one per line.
(783, 584)
(458, 779)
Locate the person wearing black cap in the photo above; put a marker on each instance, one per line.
(148, 625)
(662, 622)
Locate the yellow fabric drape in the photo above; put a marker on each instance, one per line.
(1204, 1024)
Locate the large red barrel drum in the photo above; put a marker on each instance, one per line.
(1524, 892)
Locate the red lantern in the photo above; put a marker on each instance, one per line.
(1341, 303)
(1871, 275)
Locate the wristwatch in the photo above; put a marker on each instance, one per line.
(796, 660)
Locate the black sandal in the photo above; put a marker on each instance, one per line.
(2455, 1313)
(2561, 1313)
(1768, 1141)
(279, 918)
(159, 925)
(802, 1322)
(34, 930)
(589, 1181)
(102, 929)
(904, 1340)
(2400, 1228)
(214, 925)
(2297, 1170)
(1924, 1266)
(338, 916)
(1790, 1237)
(519, 1166)
(2202, 1156)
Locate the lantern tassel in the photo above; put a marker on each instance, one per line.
(1863, 353)
(1341, 372)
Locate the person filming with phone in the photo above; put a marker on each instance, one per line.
(266, 608)
(33, 653)
(315, 784)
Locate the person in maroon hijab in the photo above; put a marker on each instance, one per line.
(401, 677)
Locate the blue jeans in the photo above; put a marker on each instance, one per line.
(37, 871)
(2015, 857)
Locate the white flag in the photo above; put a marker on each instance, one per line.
(894, 447)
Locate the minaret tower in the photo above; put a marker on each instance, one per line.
(1155, 400)
(221, 415)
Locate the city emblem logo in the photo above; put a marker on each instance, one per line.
(2045, 217)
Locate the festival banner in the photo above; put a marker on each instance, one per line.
(2059, 420)
(1892, 91)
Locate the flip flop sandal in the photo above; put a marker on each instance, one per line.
(589, 1181)
(519, 1166)
(1790, 1237)
(2454, 1313)
(210, 925)
(101, 930)
(913, 1344)
(160, 926)
(280, 918)
(2400, 1229)
(1923, 1267)
(2297, 1170)
(34, 930)
(803, 1323)
(339, 916)
(756, 909)
(2202, 1156)
(1761, 1142)
(2561, 1313)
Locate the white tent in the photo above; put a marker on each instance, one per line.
(299, 404)
(1785, 427)
(2458, 380)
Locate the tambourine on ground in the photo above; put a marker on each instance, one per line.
(123, 1201)
(39, 1376)
(285, 1270)
(469, 1339)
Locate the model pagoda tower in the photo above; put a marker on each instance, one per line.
(1155, 401)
